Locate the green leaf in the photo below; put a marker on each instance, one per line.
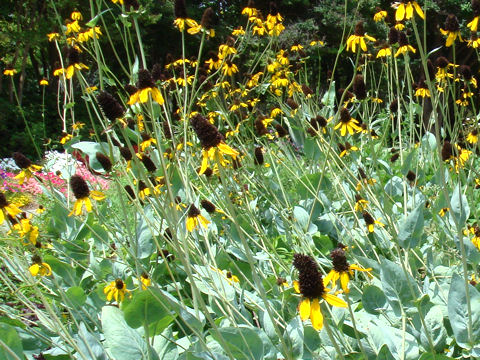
(394, 187)
(89, 345)
(458, 313)
(11, 343)
(242, 342)
(373, 299)
(164, 345)
(148, 307)
(94, 21)
(434, 324)
(395, 285)
(77, 296)
(430, 356)
(294, 337)
(328, 99)
(411, 228)
(122, 341)
(145, 245)
(302, 217)
(64, 271)
(460, 210)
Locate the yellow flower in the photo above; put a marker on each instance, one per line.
(370, 222)
(358, 38)
(379, 15)
(472, 137)
(27, 173)
(405, 10)
(74, 27)
(7, 209)
(118, 1)
(82, 193)
(70, 70)
(345, 149)
(443, 211)
(53, 36)
(238, 31)
(452, 30)
(248, 11)
(342, 270)
(384, 52)
(44, 82)
(9, 72)
(310, 285)
(65, 138)
(181, 22)
(115, 290)
(360, 204)
(229, 68)
(39, 268)
(422, 92)
(347, 123)
(78, 126)
(473, 25)
(142, 96)
(195, 217)
(145, 281)
(76, 15)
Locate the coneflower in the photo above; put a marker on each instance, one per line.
(130, 192)
(148, 163)
(110, 106)
(104, 161)
(282, 132)
(126, 153)
(447, 151)
(258, 160)
(359, 88)
(293, 105)
(411, 176)
(180, 9)
(208, 206)
(21, 160)
(207, 18)
(393, 36)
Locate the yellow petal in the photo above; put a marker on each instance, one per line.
(34, 269)
(144, 95)
(316, 316)
(400, 13)
(191, 223)
(203, 221)
(296, 286)
(334, 301)
(97, 195)
(419, 10)
(88, 204)
(157, 96)
(133, 98)
(70, 71)
(408, 11)
(224, 148)
(304, 309)
(2, 217)
(47, 268)
(344, 279)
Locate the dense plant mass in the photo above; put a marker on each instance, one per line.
(237, 201)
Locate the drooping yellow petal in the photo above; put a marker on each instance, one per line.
(408, 11)
(144, 95)
(296, 286)
(227, 150)
(157, 96)
(304, 309)
(191, 223)
(203, 221)
(97, 195)
(47, 269)
(419, 10)
(34, 269)
(400, 13)
(2, 217)
(334, 300)
(316, 316)
(344, 279)
(70, 71)
(88, 204)
(133, 98)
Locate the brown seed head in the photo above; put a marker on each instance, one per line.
(104, 161)
(119, 284)
(258, 160)
(309, 276)
(79, 187)
(180, 9)
(144, 79)
(193, 211)
(110, 106)
(21, 160)
(359, 88)
(208, 206)
(207, 133)
(339, 260)
(451, 23)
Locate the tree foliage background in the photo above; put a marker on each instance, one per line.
(24, 46)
